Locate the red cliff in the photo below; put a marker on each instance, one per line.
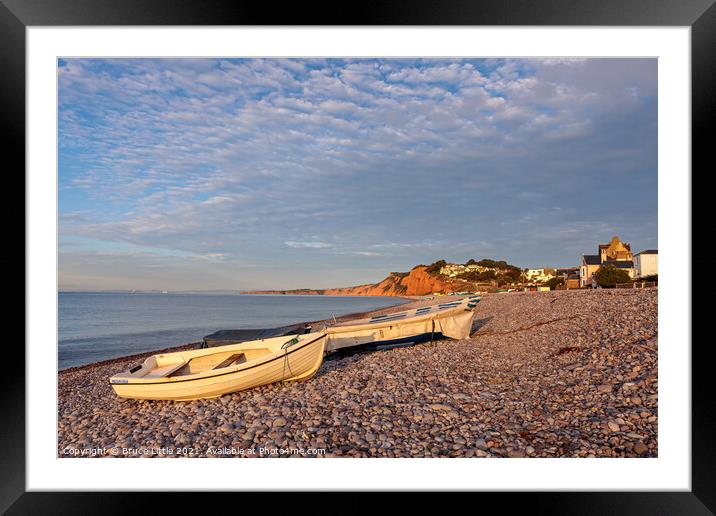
(417, 282)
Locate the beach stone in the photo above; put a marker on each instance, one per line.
(640, 448)
(514, 388)
(279, 422)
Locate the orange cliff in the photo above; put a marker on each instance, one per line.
(417, 282)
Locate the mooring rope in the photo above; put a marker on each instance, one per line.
(285, 360)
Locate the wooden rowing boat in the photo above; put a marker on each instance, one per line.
(213, 372)
(452, 319)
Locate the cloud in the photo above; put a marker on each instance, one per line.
(308, 245)
(262, 161)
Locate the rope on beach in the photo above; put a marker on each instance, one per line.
(285, 364)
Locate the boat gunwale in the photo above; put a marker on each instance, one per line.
(208, 374)
(345, 327)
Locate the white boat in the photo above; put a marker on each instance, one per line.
(213, 372)
(450, 319)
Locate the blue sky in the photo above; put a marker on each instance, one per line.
(290, 173)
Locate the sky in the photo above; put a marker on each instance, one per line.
(208, 174)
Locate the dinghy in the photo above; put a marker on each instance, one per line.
(450, 319)
(213, 372)
(224, 337)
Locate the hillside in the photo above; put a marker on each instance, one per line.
(417, 282)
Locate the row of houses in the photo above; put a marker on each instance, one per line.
(540, 275)
(615, 254)
(618, 254)
(452, 270)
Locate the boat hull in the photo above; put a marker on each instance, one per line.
(283, 366)
(455, 323)
(387, 344)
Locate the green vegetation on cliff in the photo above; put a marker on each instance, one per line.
(435, 267)
(494, 264)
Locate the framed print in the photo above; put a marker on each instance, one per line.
(420, 245)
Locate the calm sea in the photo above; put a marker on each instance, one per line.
(98, 326)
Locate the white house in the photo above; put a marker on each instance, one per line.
(646, 263)
(539, 275)
(454, 269)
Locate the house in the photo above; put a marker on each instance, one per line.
(590, 264)
(616, 254)
(570, 278)
(616, 250)
(539, 275)
(567, 272)
(572, 281)
(536, 288)
(646, 263)
(453, 270)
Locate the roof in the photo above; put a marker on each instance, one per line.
(620, 264)
(591, 259)
(649, 251)
(616, 243)
(607, 246)
(567, 270)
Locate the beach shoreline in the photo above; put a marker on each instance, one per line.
(408, 300)
(551, 374)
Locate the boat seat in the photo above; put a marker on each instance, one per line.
(233, 358)
(161, 372)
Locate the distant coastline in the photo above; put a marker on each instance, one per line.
(421, 280)
(297, 292)
(151, 291)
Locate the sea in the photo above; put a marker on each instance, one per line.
(95, 326)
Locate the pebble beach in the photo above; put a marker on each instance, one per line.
(550, 374)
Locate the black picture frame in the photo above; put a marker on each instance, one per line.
(700, 15)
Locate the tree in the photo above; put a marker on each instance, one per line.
(435, 267)
(478, 276)
(486, 276)
(552, 283)
(608, 276)
(509, 276)
(501, 264)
